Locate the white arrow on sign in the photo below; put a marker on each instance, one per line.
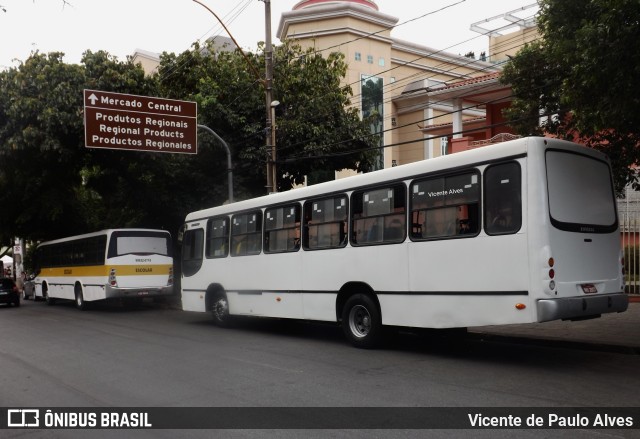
(93, 98)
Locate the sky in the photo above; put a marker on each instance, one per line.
(122, 26)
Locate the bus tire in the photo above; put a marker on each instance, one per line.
(362, 321)
(50, 300)
(220, 310)
(80, 302)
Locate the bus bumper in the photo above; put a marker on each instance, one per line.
(138, 292)
(581, 308)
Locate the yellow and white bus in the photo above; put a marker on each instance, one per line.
(519, 232)
(110, 264)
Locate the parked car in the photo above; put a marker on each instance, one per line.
(9, 292)
(29, 289)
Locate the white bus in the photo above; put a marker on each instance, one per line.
(519, 232)
(110, 264)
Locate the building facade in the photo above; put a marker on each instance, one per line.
(426, 102)
(406, 79)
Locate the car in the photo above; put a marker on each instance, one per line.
(9, 293)
(29, 289)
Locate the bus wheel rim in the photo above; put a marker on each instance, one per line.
(360, 321)
(220, 309)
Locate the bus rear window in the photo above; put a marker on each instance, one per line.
(139, 243)
(581, 195)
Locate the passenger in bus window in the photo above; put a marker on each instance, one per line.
(394, 230)
(502, 221)
(296, 237)
(464, 227)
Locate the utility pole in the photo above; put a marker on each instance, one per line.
(268, 85)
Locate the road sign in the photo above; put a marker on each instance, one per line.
(139, 123)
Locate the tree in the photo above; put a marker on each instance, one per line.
(51, 184)
(582, 75)
(315, 127)
(56, 187)
(40, 154)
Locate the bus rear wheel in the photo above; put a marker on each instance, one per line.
(220, 310)
(50, 300)
(80, 303)
(362, 321)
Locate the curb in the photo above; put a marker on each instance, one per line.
(554, 343)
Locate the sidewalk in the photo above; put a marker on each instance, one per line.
(618, 332)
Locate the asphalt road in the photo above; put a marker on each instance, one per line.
(152, 356)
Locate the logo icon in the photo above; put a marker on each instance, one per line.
(23, 418)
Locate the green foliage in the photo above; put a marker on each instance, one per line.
(583, 73)
(52, 186)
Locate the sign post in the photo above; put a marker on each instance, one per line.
(139, 123)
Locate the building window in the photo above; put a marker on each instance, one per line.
(370, 59)
(381, 62)
(358, 56)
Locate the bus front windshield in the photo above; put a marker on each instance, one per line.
(581, 195)
(139, 243)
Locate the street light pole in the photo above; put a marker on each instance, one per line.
(229, 163)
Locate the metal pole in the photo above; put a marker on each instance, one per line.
(268, 83)
(229, 164)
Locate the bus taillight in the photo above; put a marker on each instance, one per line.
(552, 273)
(112, 278)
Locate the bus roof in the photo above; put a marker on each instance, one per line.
(466, 158)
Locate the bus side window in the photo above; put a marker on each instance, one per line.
(379, 215)
(192, 247)
(502, 199)
(445, 207)
(246, 234)
(282, 229)
(325, 223)
(217, 245)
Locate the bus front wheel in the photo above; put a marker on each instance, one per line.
(362, 321)
(220, 310)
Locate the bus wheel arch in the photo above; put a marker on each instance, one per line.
(216, 302)
(359, 313)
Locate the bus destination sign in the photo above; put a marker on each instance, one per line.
(139, 123)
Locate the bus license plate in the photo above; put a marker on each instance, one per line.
(143, 293)
(589, 288)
